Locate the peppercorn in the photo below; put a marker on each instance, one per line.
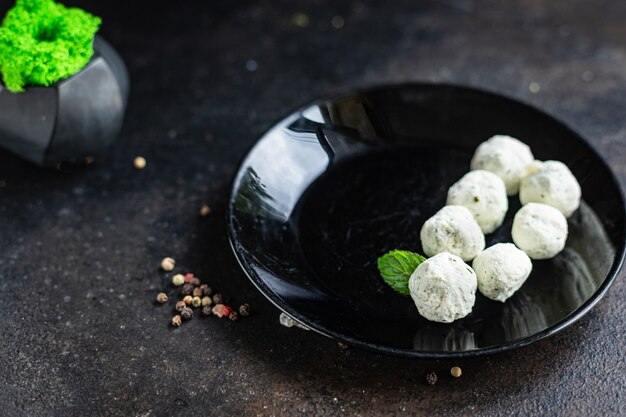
(244, 310)
(187, 313)
(161, 298)
(196, 302)
(180, 305)
(431, 378)
(207, 291)
(167, 264)
(176, 321)
(139, 162)
(195, 281)
(220, 310)
(188, 277)
(207, 310)
(178, 280)
(233, 315)
(187, 289)
(188, 299)
(217, 298)
(205, 210)
(455, 371)
(206, 301)
(197, 292)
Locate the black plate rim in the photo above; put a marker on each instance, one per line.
(406, 353)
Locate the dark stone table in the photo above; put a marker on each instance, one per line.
(80, 248)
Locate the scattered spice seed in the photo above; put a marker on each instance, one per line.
(300, 19)
(431, 378)
(167, 264)
(244, 310)
(456, 372)
(337, 22)
(205, 210)
(220, 310)
(139, 162)
(187, 289)
(178, 280)
(196, 295)
(187, 313)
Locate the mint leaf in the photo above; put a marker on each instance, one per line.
(396, 268)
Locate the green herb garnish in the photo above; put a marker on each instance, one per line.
(396, 268)
(42, 42)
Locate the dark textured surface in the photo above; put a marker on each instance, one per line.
(79, 249)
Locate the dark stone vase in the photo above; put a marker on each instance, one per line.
(72, 119)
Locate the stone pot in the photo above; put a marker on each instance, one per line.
(73, 118)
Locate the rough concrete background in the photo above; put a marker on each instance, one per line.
(79, 249)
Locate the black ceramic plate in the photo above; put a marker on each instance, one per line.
(334, 185)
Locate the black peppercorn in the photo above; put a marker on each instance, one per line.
(187, 289)
(244, 310)
(195, 281)
(431, 378)
(180, 305)
(206, 290)
(233, 315)
(197, 292)
(217, 298)
(207, 310)
(186, 313)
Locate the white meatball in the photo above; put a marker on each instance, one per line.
(452, 229)
(504, 156)
(443, 288)
(539, 230)
(484, 194)
(554, 184)
(501, 270)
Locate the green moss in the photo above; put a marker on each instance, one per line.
(42, 42)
